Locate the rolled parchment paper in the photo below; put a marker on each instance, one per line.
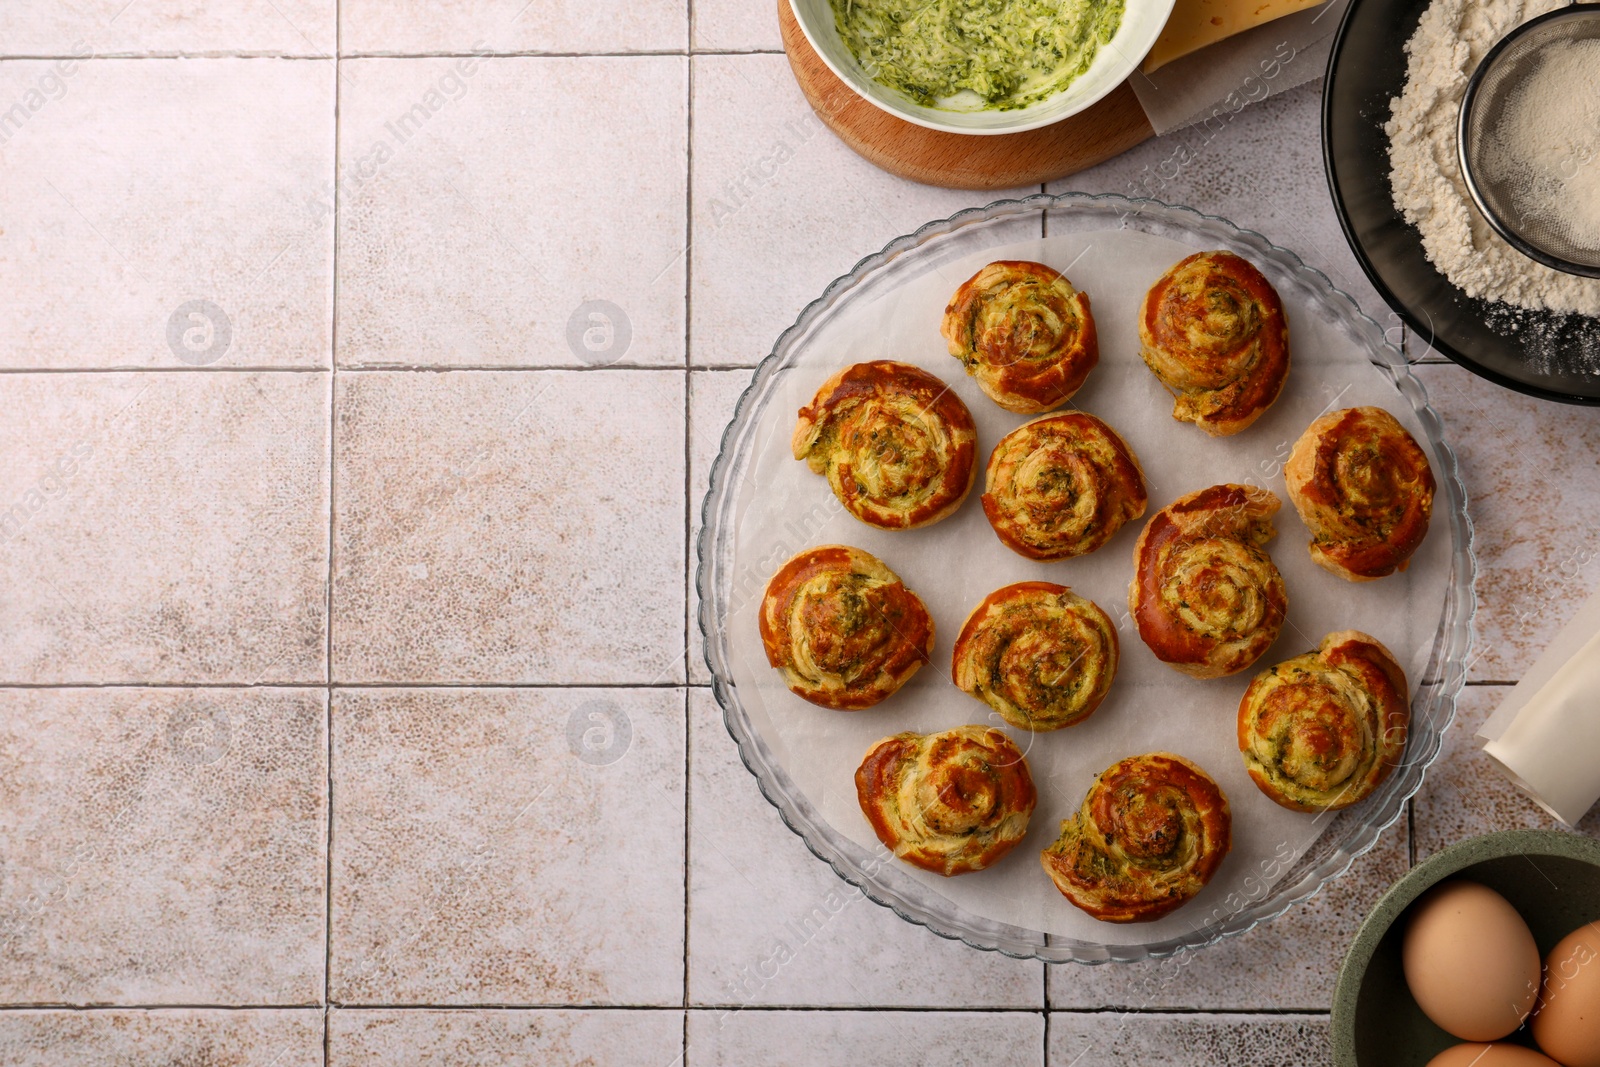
(1546, 735)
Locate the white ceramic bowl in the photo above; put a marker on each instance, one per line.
(1142, 22)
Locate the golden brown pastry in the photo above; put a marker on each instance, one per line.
(895, 443)
(842, 628)
(1024, 333)
(1323, 730)
(1037, 653)
(949, 802)
(1206, 597)
(1062, 486)
(1213, 330)
(1152, 831)
(1363, 487)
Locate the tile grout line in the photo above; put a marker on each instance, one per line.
(1044, 970)
(88, 1009)
(688, 372)
(1122, 1009)
(299, 57)
(153, 369)
(687, 772)
(336, 57)
(534, 54)
(1426, 361)
(1411, 801)
(688, 484)
(1411, 831)
(839, 1009)
(1044, 977)
(333, 433)
(399, 368)
(1486, 683)
(25, 686)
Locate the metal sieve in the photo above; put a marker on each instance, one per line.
(1492, 177)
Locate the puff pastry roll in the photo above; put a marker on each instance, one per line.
(1024, 333)
(1151, 833)
(1062, 486)
(896, 444)
(842, 628)
(1323, 730)
(1363, 486)
(1206, 597)
(1037, 653)
(1213, 330)
(949, 802)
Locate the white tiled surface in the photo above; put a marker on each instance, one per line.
(163, 846)
(507, 1038)
(122, 1038)
(459, 553)
(478, 856)
(352, 704)
(481, 206)
(734, 26)
(188, 184)
(846, 1038)
(411, 27)
(171, 27)
(164, 528)
(1180, 1040)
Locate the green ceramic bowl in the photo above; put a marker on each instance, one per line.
(1551, 877)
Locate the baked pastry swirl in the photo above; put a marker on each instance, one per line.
(895, 443)
(1024, 333)
(949, 802)
(842, 628)
(1363, 487)
(1062, 486)
(1206, 597)
(1152, 831)
(1213, 330)
(1323, 730)
(1037, 653)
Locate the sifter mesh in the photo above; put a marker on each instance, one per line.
(1529, 206)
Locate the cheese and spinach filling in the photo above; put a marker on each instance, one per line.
(1005, 53)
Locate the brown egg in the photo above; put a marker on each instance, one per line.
(1496, 1055)
(1470, 961)
(1567, 1025)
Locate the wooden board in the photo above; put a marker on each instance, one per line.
(963, 161)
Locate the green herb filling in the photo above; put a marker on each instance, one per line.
(1006, 53)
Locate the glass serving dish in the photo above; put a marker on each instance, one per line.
(1347, 834)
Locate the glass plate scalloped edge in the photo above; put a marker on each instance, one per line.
(1349, 834)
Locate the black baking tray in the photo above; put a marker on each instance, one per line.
(1556, 357)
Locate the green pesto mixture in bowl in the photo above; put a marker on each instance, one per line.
(976, 54)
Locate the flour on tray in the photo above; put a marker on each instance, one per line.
(1451, 39)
